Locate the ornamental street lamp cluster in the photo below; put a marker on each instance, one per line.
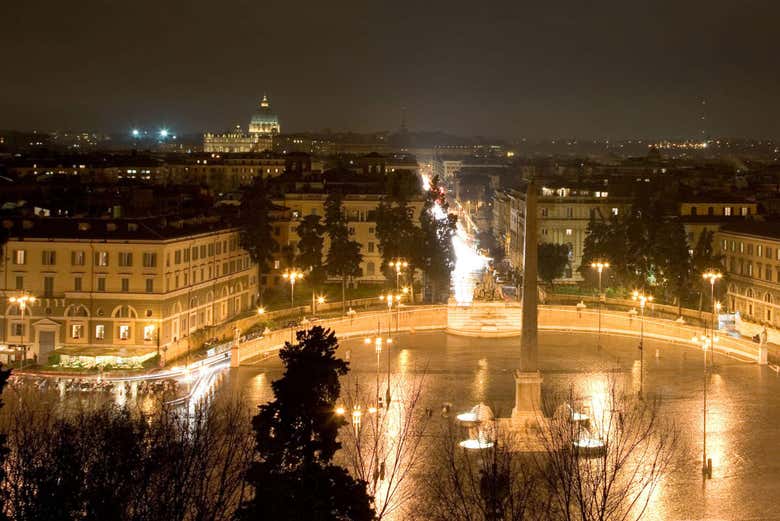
(23, 301)
(599, 266)
(392, 298)
(643, 300)
(292, 275)
(399, 265)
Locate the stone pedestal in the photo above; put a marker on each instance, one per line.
(528, 398)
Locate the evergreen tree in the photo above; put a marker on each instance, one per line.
(296, 435)
(704, 256)
(255, 226)
(552, 259)
(344, 255)
(310, 244)
(436, 254)
(673, 262)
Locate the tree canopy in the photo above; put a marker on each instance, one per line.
(255, 226)
(296, 435)
(344, 257)
(552, 259)
(310, 244)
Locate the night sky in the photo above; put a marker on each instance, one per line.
(498, 68)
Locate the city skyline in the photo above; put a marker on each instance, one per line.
(504, 70)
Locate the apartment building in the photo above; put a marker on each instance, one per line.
(751, 255)
(123, 288)
(712, 211)
(563, 216)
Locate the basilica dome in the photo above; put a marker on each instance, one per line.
(263, 120)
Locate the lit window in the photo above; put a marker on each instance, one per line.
(101, 258)
(148, 332)
(76, 330)
(614, 211)
(100, 331)
(727, 210)
(124, 332)
(20, 257)
(568, 231)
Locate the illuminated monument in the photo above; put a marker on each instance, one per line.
(528, 379)
(263, 126)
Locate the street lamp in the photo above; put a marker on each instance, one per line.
(22, 301)
(599, 266)
(399, 265)
(707, 343)
(378, 342)
(712, 276)
(315, 300)
(292, 275)
(642, 299)
(390, 298)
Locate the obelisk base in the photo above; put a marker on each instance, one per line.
(528, 399)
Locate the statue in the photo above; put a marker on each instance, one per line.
(487, 290)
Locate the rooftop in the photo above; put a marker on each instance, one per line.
(144, 229)
(767, 229)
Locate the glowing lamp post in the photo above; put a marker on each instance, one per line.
(599, 267)
(22, 301)
(399, 265)
(378, 342)
(643, 300)
(707, 343)
(390, 298)
(712, 277)
(292, 275)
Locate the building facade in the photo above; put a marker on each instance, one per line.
(563, 217)
(711, 213)
(751, 256)
(124, 289)
(360, 210)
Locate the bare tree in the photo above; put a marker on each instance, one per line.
(99, 461)
(491, 483)
(604, 455)
(382, 445)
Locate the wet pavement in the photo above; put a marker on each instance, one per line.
(743, 418)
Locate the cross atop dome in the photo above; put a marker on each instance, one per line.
(264, 103)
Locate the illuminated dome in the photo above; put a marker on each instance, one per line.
(264, 121)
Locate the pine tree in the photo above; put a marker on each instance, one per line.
(255, 227)
(552, 259)
(673, 261)
(296, 435)
(310, 244)
(344, 255)
(436, 254)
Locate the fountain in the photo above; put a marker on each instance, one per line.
(487, 315)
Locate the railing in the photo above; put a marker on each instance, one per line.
(550, 318)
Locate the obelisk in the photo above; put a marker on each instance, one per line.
(528, 379)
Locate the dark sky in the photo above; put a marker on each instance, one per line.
(549, 68)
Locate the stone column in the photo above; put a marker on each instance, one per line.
(528, 379)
